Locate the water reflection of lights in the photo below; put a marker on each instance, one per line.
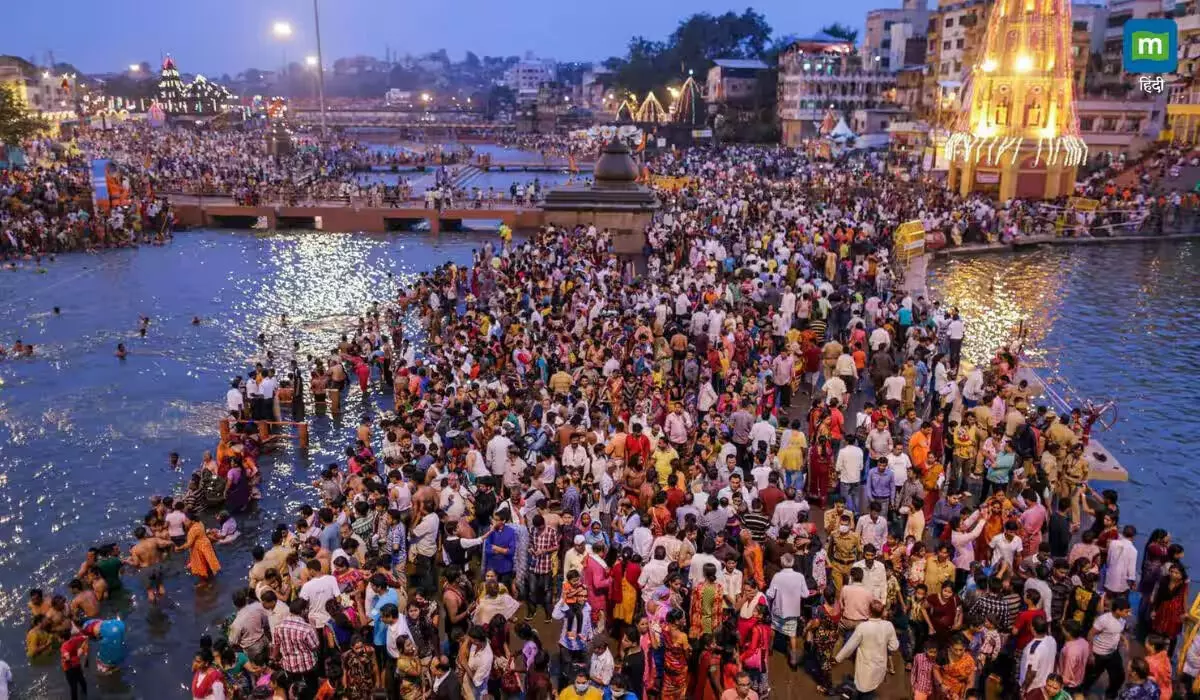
(999, 297)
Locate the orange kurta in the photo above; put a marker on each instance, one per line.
(203, 559)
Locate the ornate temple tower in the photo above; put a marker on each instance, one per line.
(1017, 134)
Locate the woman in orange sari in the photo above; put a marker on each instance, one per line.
(676, 653)
(202, 561)
(997, 511)
(952, 679)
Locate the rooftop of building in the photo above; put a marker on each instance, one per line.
(749, 63)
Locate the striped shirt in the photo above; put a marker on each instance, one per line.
(296, 642)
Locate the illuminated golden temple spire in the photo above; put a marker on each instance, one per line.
(1018, 117)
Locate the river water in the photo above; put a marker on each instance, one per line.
(84, 437)
(1105, 322)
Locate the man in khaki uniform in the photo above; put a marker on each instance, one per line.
(845, 548)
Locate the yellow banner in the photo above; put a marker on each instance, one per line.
(670, 183)
(909, 239)
(1083, 204)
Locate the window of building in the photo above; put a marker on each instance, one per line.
(945, 46)
(958, 44)
(885, 44)
(949, 22)
(887, 25)
(1080, 26)
(958, 66)
(945, 69)
(1086, 123)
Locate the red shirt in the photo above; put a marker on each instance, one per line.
(675, 498)
(812, 358)
(771, 497)
(1024, 626)
(73, 651)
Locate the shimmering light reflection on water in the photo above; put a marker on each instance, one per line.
(1115, 322)
(84, 438)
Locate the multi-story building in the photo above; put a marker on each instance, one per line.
(1111, 79)
(1119, 126)
(1183, 111)
(527, 75)
(821, 73)
(888, 31)
(955, 34)
(733, 80)
(49, 94)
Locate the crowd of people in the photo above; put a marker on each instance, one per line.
(749, 453)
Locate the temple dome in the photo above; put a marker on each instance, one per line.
(615, 166)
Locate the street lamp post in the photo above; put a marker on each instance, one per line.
(283, 32)
(320, 67)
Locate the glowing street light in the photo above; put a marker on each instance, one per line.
(425, 97)
(281, 30)
(135, 68)
(311, 61)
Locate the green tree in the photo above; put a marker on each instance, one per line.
(693, 46)
(17, 123)
(841, 31)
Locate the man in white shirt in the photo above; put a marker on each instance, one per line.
(234, 401)
(1106, 637)
(318, 591)
(762, 431)
(872, 528)
(601, 667)
(1005, 548)
(1037, 659)
(848, 469)
(654, 573)
(787, 592)
(893, 389)
(1121, 572)
(900, 464)
(789, 513)
(874, 573)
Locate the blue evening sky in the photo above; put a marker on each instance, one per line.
(218, 36)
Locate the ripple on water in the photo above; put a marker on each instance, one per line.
(84, 438)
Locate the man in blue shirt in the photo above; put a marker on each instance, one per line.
(499, 549)
(384, 595)
(616, 690)
(331, 534)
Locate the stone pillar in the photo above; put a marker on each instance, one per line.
(1009, 172)
(1053, 183)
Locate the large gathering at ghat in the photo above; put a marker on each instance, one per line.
(840, 359)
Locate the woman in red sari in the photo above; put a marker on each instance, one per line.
(820, 464)
(755, 649)
(1168, 604)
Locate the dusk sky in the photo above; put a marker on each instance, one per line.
(219, 36)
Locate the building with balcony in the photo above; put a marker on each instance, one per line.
(1120, 126)
(1183, 108)
(888, 35)
(822, 73)
(1111, 80)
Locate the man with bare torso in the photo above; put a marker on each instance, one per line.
(147, 555)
